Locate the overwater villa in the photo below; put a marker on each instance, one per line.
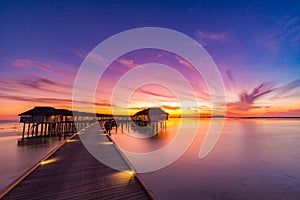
(48, 121)
(43, 121)
(146, 116)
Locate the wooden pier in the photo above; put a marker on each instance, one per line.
(70, 171)
(73, 173)
(41, 122)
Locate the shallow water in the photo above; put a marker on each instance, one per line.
(16, 160)
(10, 128)
(253, 159)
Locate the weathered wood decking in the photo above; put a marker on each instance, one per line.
(76, 174)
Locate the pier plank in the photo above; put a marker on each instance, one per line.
(76, 174)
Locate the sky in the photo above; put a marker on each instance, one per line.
(255, 45)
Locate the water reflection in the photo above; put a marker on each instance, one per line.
(16, 160)
(253, 159)
(136, 138)
(151, 129)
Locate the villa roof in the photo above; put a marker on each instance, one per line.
(153, 111)
(39, 110)
(46, 111)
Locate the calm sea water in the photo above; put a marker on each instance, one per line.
(253, 159)
(16, 160)
(10, 128)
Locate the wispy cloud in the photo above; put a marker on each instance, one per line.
(34, 84)
(155, 94)
(91, 56)
(285, 30)
(288, 87)
(247, 99)
(34, 99)
(79, 53)
(34, 90)
(207, 37)
(174, 108)
(257, 92)
(290, 28)
(115, 68)
(138, 108)
(51, 101)
(40, 65)
(127, 62)
(184, 62)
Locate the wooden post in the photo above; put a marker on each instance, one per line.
(36, 129)
(23, 130)
(45, 131)
(28, 130)
(32, 132)
(42, 126)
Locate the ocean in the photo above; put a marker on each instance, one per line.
(253, 159)
(16, 160)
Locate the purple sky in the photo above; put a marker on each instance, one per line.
(256, 47)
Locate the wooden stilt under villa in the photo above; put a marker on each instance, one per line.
(41, 122)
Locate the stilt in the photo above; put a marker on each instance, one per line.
(23, 131)
(42, 126)
(28, 130)
(36, 129)
(45, 131)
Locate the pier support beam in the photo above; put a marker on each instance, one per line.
(23, 131)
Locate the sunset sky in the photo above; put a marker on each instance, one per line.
(256, 47)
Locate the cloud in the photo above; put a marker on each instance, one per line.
(38, 82)
(229, 75)
(103, 62)
(127, 62)
(49, 100)
(35, 91)
(34, 84)
(184, 62)
(289, 28)
(247, 99)
(207, 37)
(290, 86)
(155, 94)
(288, 113)
(93, 57)
(285, 30)
(79, 53)
(171, 107)
(259, 91)
(45, 67)
(138, 108)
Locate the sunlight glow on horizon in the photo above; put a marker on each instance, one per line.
(256, 49)
(265, 100)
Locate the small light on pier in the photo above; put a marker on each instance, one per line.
(45, 162)
(131, 173)
(106, 143)
(70, 140)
